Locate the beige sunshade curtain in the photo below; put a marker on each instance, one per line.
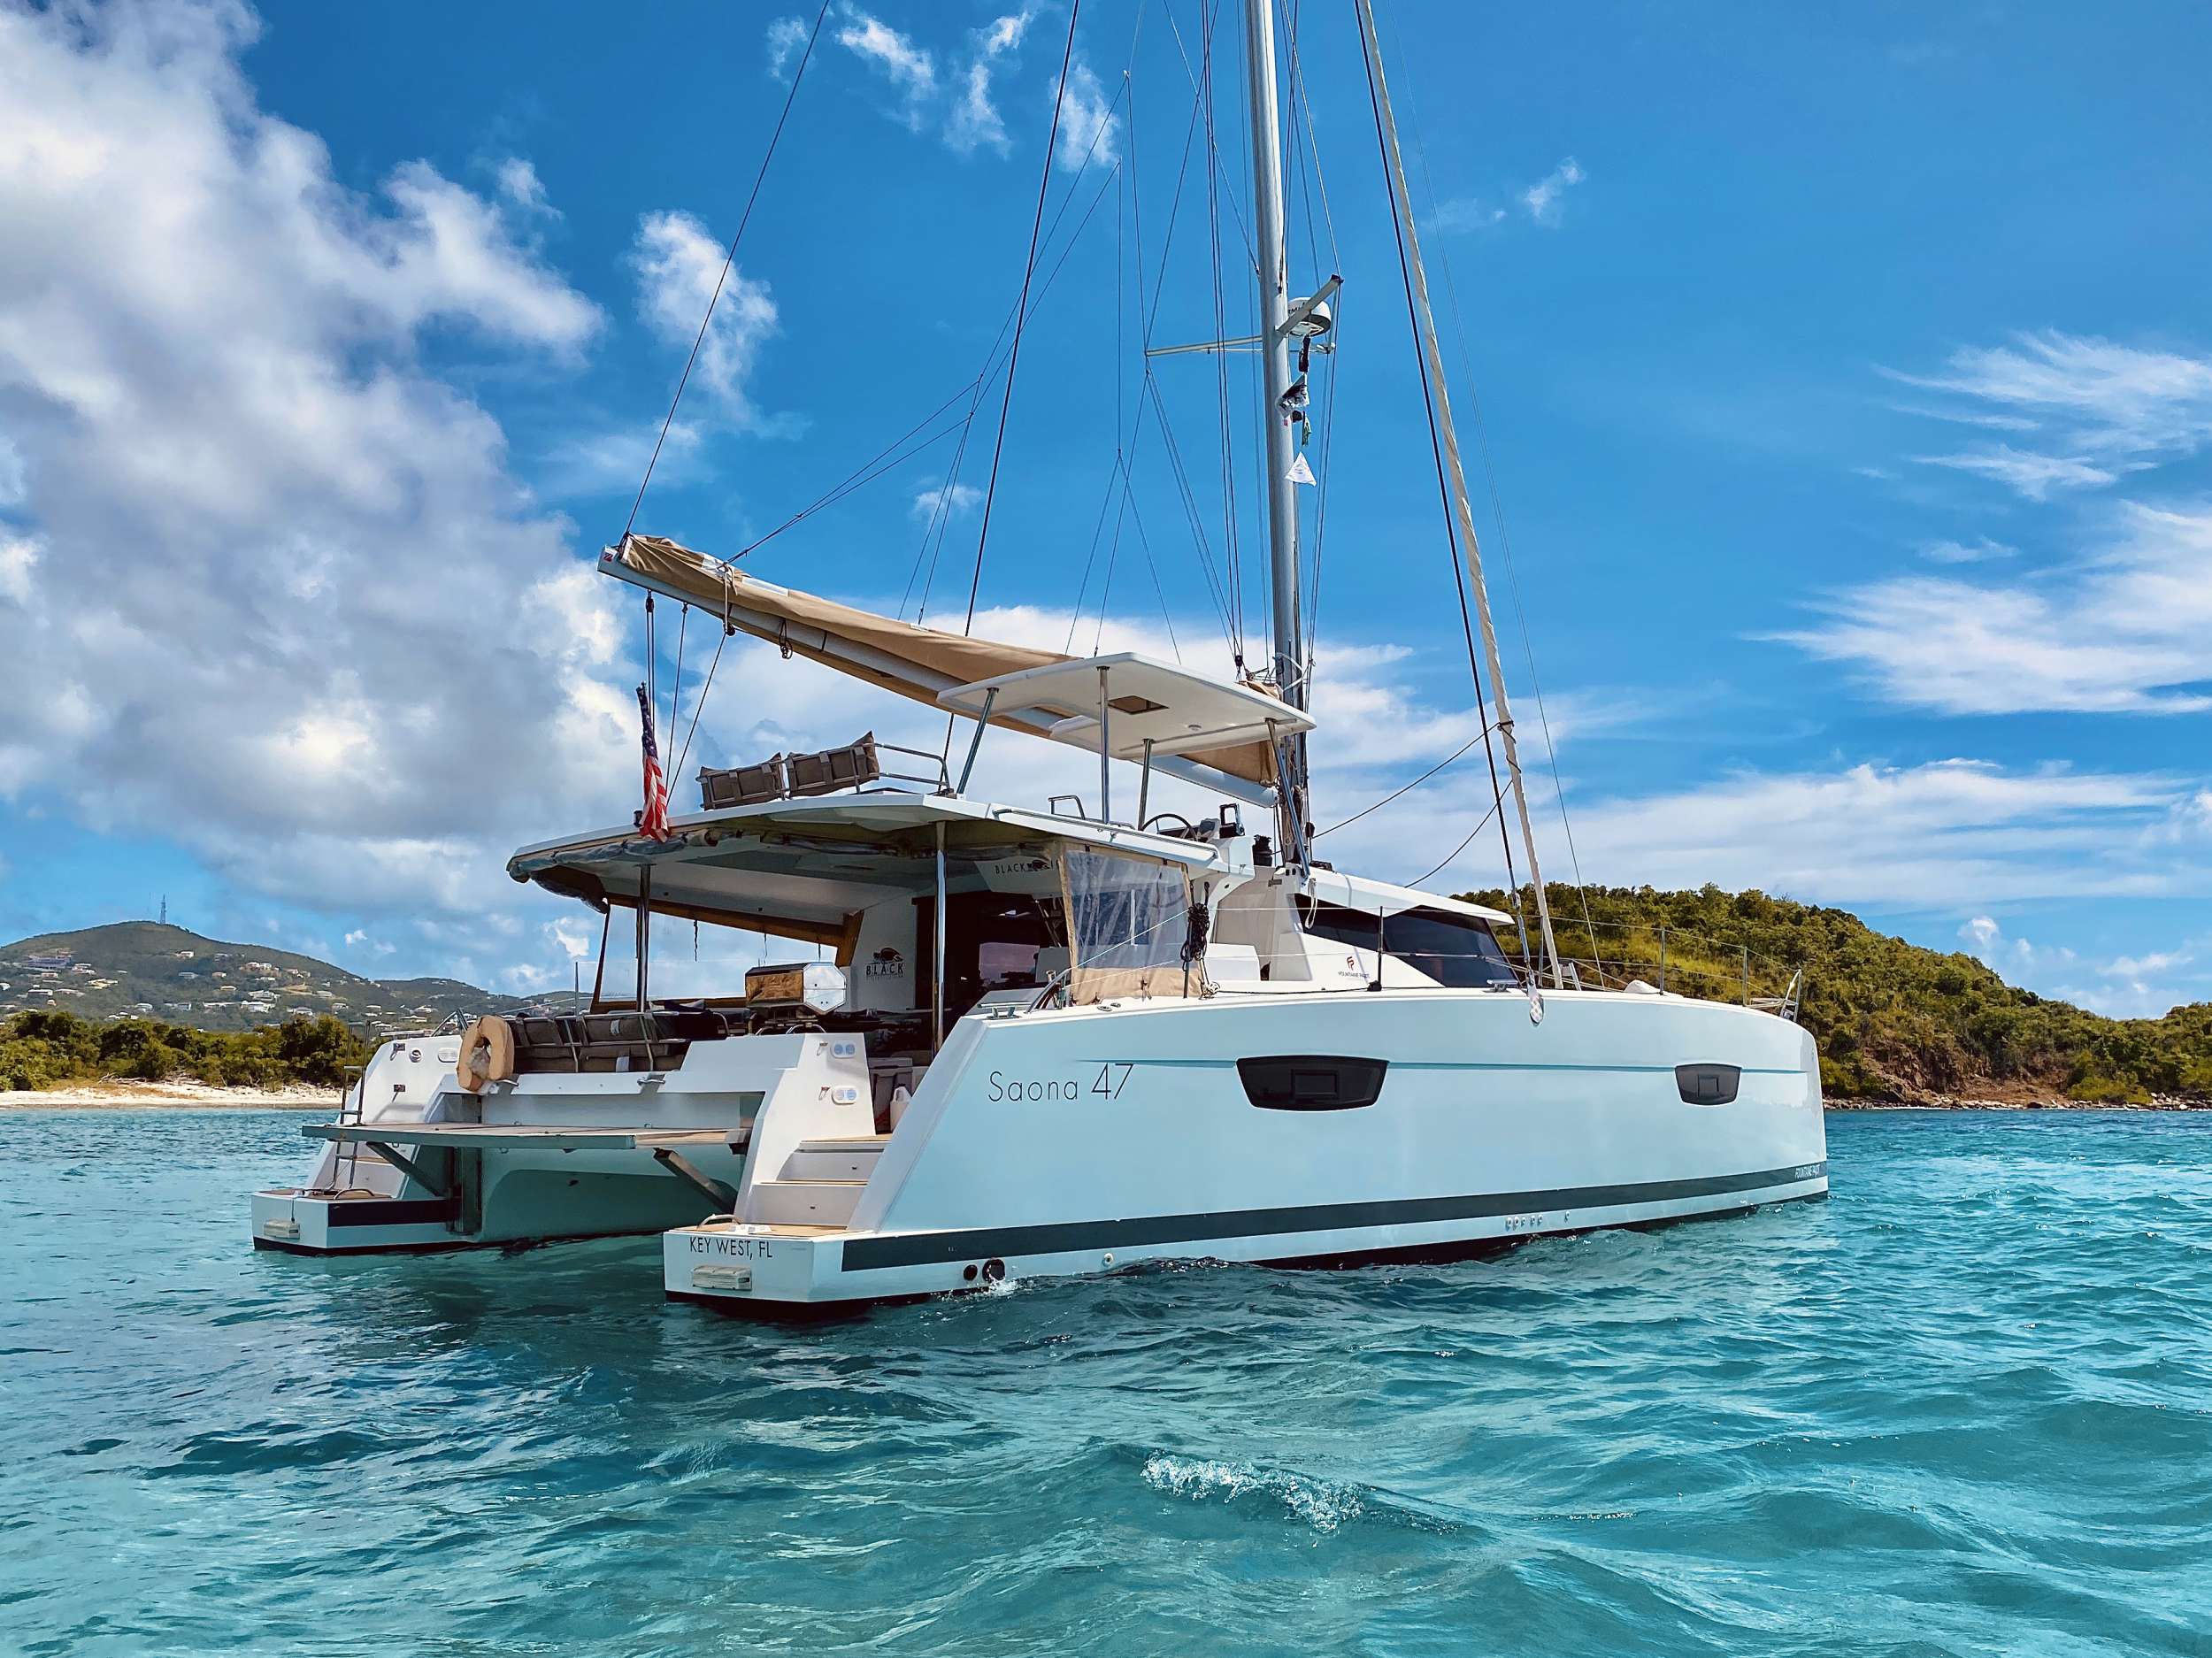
(1127, 921)
(915, 662)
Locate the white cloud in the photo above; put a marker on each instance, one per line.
(786, 37)
(1464, 213)
(975, 120)
(1088, 125)
(598, 463)
(2127, 631)
(1981, 550)
(1543, 203)
(1544, 198)
(909, 69)
(2029, 474)
(678, 264)
(1934, 836)
(2142, 966)
(19, 558)
(1005, 34)
(2127, 987)
(948, 501)
(14, 481)
(519, 184)
(1984, 419)
(280, 585)
(2017, 959)
(2108, 408)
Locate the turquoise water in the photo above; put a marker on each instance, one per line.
(1965, 1407)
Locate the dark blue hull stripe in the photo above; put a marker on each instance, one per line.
(868, 1255)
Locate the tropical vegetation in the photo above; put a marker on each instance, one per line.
(52, 1048)
(1893, 1021)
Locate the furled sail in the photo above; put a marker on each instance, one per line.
(916, 661)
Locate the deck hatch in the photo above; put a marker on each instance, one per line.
(1311, 1082)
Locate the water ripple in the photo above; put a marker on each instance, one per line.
(1965, 1407)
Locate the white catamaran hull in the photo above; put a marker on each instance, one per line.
(1089, 1140)
(556, 1157)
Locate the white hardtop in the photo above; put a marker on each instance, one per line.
(824, 857)
(1356, 892)
(1148, 701)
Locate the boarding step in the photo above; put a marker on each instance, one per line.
(805, 1202)
(853, 1158)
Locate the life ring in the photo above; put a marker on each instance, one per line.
(487, 1053)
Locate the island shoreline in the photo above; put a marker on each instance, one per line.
(190, 1097)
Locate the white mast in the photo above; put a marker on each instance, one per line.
(1274, 343)
(1448, 441)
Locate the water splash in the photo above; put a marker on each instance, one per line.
(1317, 1502)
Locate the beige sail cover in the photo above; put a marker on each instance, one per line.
(917, 662)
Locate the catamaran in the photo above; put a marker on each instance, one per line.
(1047, 1041)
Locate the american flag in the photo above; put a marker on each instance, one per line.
(653, 821)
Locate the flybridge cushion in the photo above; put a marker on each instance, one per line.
(742, 784)
(832, 769)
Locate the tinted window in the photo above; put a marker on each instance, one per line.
(1454, 950)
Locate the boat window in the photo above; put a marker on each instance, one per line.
(1457, 951)
(1128, 923)
(992, 942)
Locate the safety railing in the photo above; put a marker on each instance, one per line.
(1613, 956)
(856, 765)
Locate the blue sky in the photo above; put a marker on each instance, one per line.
(1844, 382)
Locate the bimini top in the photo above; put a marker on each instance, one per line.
(1146, 706)
(926, 662)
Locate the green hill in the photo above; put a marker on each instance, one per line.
(149, 971)
(1893, 1021)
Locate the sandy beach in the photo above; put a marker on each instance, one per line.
(195, 1096)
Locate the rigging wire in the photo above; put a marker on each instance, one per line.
(900, 449)
(1136, 520)
(729, 260)
(1213, 156)
(1021, 317)
(1448, 759)
(676, 690)
(1451, 531)
(1231, 551)
(1216, 587)
(699, 703)
(1310, 153)
(1128, 280)
(1021, 321)
(1461, 848)
(1015, 319)
(1497, 510)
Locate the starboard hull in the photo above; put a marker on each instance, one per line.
(1091, 1141)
